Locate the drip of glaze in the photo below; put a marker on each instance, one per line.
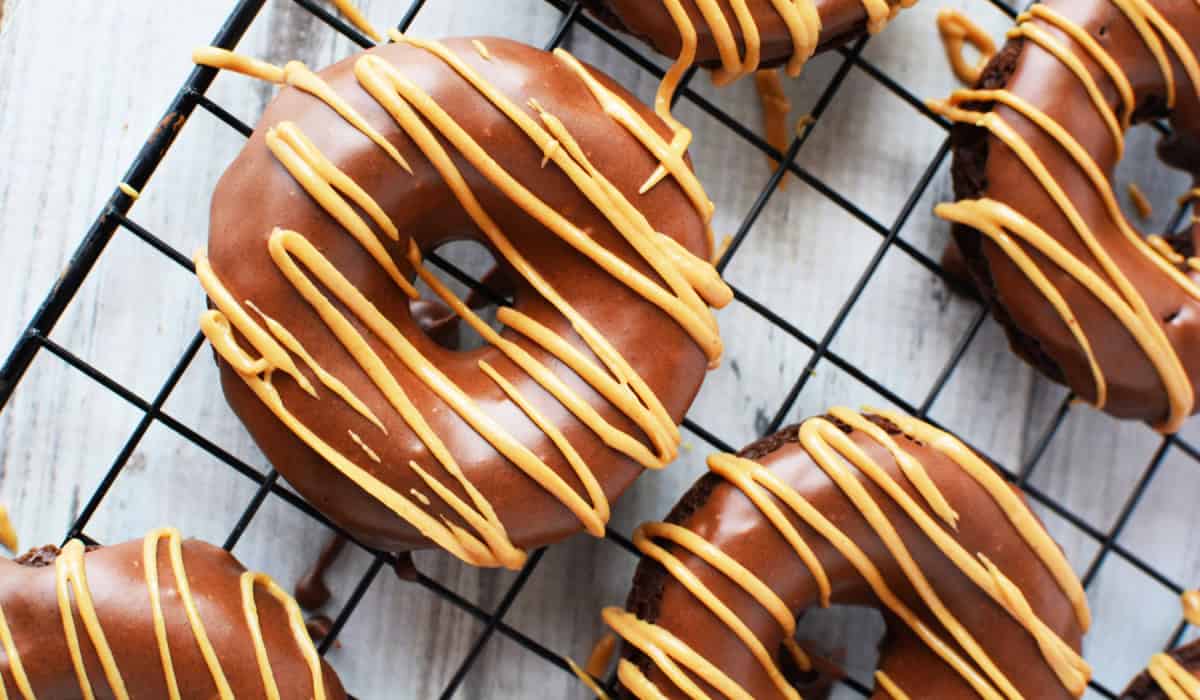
(311, 592)
(356, 17)
(835, 453)
(319, 627)
(597, 664)
(75, 599)
(957, 30)
(1141, 203)
(1190, 601)
(692, 285)
(776, 107)
(8, 534)
(885, 683)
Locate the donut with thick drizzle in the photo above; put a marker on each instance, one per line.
(1085, 296)
(319, 228)
(736, 38)
(158, 617)
(874, 509)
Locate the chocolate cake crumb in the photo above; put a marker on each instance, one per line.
(39, 556)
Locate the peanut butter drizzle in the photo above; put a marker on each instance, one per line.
(834, 452)
(602, 654)
(356, 17)
(1141, 203)
(803, 23)
(75, 597)
(996, 220)
(8, 534)
(776, 107)
(1176, 682)
(957, 30)
(1190, 600)
(586, 678)
(885, 682)
(597, 663)
(481, 49)
(692, 285)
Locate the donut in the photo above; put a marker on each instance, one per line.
(1084, 296)
(735, 38)
(1174, 675)
(318, 232)
(739, 37)
(160, 617)
(873, 509)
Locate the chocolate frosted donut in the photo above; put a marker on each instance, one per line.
(159, 617)
(1169, 676)
(737, 37)
(874, 509)
(1083, 295)
(318, 231)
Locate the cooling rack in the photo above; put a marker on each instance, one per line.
(114, 218)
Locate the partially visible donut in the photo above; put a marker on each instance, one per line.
(159, 617)
(1083, 295)
(874, 509)
(739, 37)
(1174, 675)
(321, 224)
(735, 38)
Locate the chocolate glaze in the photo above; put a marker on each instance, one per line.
(257, 194)
(319, 627)
(985, 167)
(722, 514)
(438, 321)
(1143, 687)
(311, 592)
(841, 21)
(119, 590)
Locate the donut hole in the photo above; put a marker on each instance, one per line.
(469, 269)
(847, 641)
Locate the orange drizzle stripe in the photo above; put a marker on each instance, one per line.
(834, 453)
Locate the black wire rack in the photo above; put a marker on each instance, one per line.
(114, 217)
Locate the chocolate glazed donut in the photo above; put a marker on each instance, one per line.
(319, 227)
(779, 31)
(874, 509)
(1170, 676)
(1084, 297)
(738, 37)
(159, 617)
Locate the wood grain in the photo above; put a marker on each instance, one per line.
(75, 104)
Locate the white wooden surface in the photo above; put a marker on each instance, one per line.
(81, 86)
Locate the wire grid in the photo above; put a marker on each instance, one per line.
(191, 95)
